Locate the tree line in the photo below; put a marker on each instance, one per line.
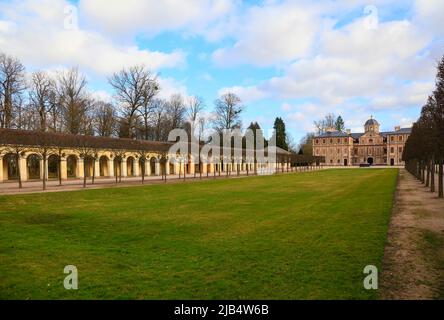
(424, 150)
(62, 102)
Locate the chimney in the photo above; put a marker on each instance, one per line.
(348, 131)
(397, 128)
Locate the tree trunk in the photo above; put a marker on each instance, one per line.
(19, 171)
(59, 170)
(428, 174)
(440, 179)
(143, 172)
(84, 174)
(94, 171)
(44, 172)
(432, 174)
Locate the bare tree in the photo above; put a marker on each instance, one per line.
(132, 88)
(175, 111)
(104, 118)
(227, 113)
(148, 107)
(329, 121)
(73, 99)
(159, 119)
(195, 105)
(42, 96)
(12, 85)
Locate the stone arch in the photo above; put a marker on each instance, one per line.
(71, 166)
(33, 166)
(88, 163)
(103, 166)
(53, 166)
(130, 166)
(118, 166)
(10, 167)
(153, 162)
(163, 163)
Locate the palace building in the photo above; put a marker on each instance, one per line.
(24, 153)
(372, 147)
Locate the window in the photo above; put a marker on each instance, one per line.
(400, 149)
(370, 141)
(345, 140)
(392, 138)
(331, 140)
(323, 140)
(392, 150)
(400, 138)
(339, 140)
(317, 141)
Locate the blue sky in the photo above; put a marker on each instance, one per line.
(295, 59)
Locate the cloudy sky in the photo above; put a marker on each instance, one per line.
(296, 59)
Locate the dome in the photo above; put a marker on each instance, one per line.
(371, 122)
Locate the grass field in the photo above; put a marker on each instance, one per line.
(295, 236)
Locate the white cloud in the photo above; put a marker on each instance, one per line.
(247, 94)
(270, 34)
(153, 16)
(36, 34)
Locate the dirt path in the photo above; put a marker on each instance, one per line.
(413, 264)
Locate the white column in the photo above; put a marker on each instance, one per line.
(136, 168)
(147, 167)
(124, 168)
(80, 168)
(63, 168)
(96, 168)
(157, 171)
(111, 167)
(167, 167)
(1, 169)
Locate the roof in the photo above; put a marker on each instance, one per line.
(357, 135)
(371, 121)
(52, 139)
(13, 137)
(332, 134)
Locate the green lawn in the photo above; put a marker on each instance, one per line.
(295, 236)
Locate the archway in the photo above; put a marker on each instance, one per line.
(89, 166)
(71, 166)
(53, 166)
(103, 166)
(117, 166)
(130, 167)
(172, 168)
(33, 167)
(10, 167)
(153, 166)
(142, 167)
(370, 161)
